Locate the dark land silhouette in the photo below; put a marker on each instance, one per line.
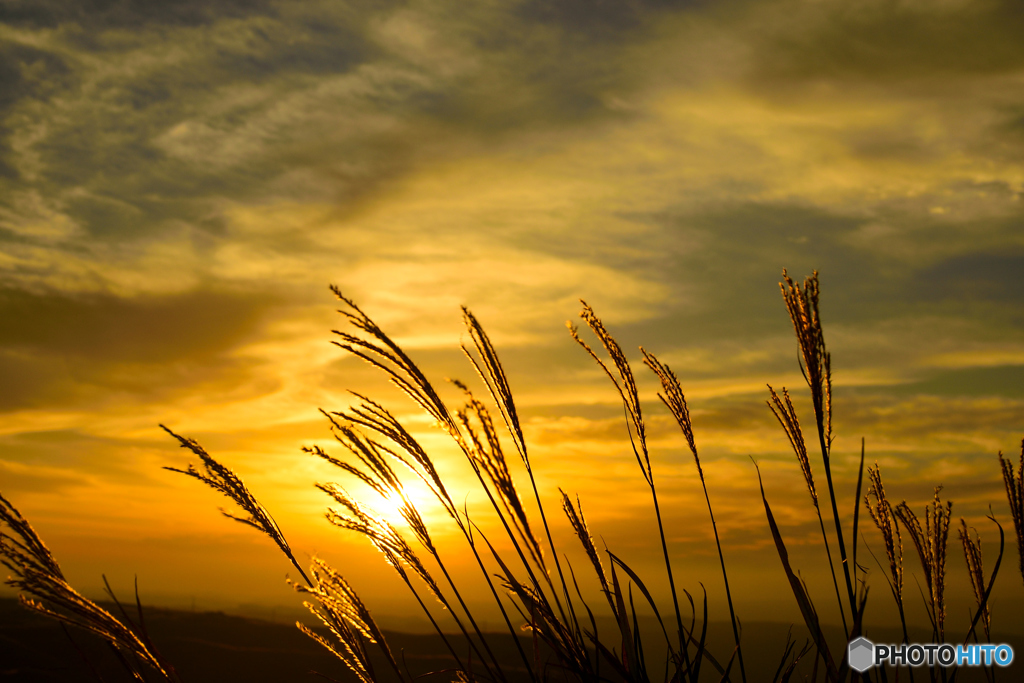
(208, 647)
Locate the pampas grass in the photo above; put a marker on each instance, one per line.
(45, 591)
(884, 516)
(1014, 482)
(785, 413)
(976, 573)
(530, 579)
(930, 542)
(802, 304)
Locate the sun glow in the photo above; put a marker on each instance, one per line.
(417, 494)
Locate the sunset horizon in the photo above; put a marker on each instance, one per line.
(182, 184)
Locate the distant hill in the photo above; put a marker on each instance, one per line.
(205, 647)
(218, 648)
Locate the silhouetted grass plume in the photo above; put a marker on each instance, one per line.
(528, 577)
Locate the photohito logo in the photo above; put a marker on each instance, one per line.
(862, 654)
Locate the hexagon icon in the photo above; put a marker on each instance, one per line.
(861, 654)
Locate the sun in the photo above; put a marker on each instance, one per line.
(390, 508)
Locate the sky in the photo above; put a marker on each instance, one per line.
(180, 182)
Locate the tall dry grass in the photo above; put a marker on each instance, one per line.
(1014, 482)
(45, 590)
(533, 585)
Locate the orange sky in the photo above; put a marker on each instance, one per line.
(178, 187)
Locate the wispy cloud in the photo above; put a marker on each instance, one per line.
(180, 182)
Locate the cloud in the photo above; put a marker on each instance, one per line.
(180, 181)
(880, 42)
(976, 277)
(125, 15)
(38, 477)
(152, 330)
(71, 457)
(66, 350)
(196, 102)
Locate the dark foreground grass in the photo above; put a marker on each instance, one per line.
(553, 632)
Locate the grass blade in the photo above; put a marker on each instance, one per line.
(799, 590)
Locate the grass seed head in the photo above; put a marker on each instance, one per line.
(802, 304)
(674, 399)
(489, 457)
(579, 525)
(221, 479)
(1014, 482)
(975, 571)
(624, 384)
(930, 543)
(785, 413)
(37, 574)
(882, 514)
